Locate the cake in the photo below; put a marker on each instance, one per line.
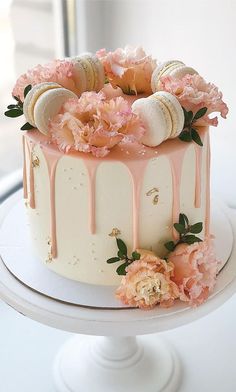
(117, 173)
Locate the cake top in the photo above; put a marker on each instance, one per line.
(94, 102)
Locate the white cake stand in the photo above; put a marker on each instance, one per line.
(115, 360)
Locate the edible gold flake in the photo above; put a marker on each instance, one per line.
(49, 259)
(35, 161)
(49, 241)
(155, 199)
(115, 232)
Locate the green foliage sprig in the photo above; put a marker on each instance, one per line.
(186, 233)
(189, 132)
(16, 110)
(122, 255)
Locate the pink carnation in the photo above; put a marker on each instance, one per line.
(93, 124)
(58, 71)
(195, 269)
(148, 283)
(129, 68)
(193, 93)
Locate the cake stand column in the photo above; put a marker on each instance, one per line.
(117, 364)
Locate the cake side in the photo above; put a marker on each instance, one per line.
(81, 203)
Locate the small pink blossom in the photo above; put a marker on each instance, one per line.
(129, 68)
(195, 269)
(193, 93)
(148, 283)
(94, 124)
(58, 71)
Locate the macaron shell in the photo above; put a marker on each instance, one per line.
(156, 119)
(98, 71)
(162, 69)
(48, 105)
(32, 96)
(180, 72)
(175, 110)
(79, 76)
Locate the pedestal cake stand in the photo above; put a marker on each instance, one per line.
(114, 359)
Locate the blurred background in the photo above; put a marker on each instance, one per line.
(202, 34)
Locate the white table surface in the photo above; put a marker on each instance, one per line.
(207, 349)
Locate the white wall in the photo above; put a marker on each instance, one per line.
(202, 33)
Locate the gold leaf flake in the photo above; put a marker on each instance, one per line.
(49, 259)
(156, 197)
(115, 232)
(35, 161)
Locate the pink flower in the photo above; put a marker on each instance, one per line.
(129, 68)
(148, 283)
(195, 269)
(193, 93)
(94, 124)
(58, 71)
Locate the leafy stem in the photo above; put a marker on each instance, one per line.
(122, 255)
(189, 132)
(186, 233)
(16, 110)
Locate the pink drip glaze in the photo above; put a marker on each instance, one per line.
(30, 146)
(136, 158)
(207, 221)
(137, 170)
(198, 176)
(176, 162)
(91, 167)
(25, 190)
(52, 158)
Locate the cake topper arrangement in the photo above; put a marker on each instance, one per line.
(98, 104)
(171, 100)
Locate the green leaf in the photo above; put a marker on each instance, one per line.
(120, 255)
(16, 98)
(185, 136)
(170, 245)
(183, 220)
(12, 106)
(180, 228)
(13, 113)
(196, 229)
(27, 126)
(200, 113)
(113, 260)
(136, 255)
(121, 246)
(196, 138)
(121, 269)
(191, 239)
(27, 89)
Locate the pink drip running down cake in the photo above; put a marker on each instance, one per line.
(117, 173)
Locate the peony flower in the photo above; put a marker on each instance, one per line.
(94, 124)
(148, 283)
(129, 68)
(58, 71)
(195, 269)
(193, 93)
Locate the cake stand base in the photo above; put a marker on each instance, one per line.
(125, 364)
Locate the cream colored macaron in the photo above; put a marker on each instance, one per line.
(32, 97)
(174, 68)
(48, 105)
(88, 72)
(162, 116)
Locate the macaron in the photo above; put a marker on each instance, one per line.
(32, 96)
(48, 105)
(88, 72)
(162, 116)
(174, 68)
